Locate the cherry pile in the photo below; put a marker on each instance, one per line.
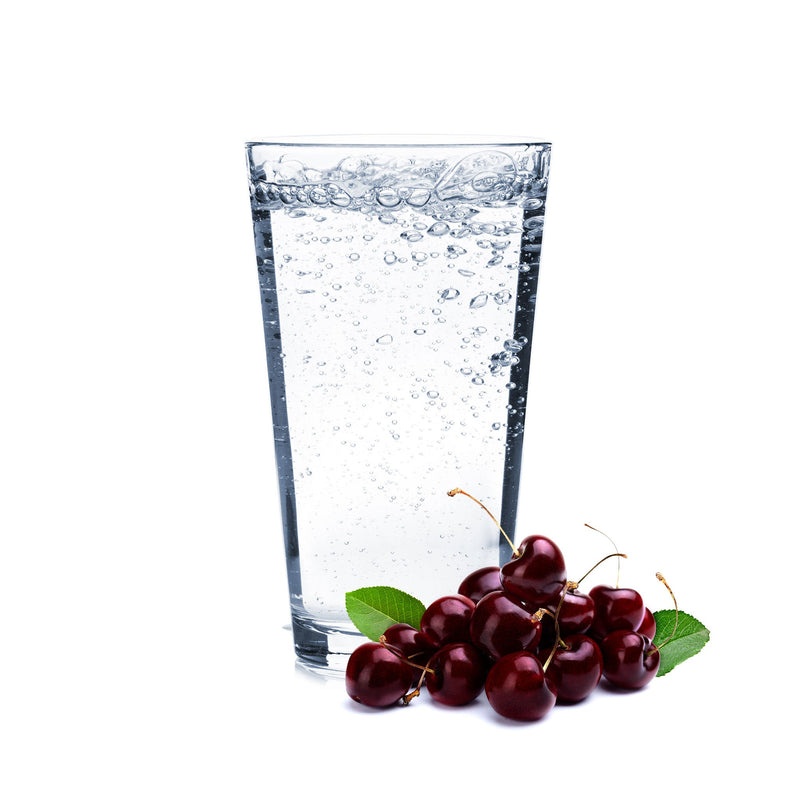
(522, 633)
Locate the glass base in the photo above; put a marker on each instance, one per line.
(324, 648)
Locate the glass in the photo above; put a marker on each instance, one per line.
(398, 286)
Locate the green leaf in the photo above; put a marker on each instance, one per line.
(689, 639)
(374, 608)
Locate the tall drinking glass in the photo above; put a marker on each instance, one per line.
(398, 287)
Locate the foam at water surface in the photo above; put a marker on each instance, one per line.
(392, 179)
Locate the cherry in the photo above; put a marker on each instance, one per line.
(518, 688)
(479, 583)
(538, 574)
(405, 640)
(648, 626)
(576, 669)
(501, 624)
(377, 677)
(615, 609)
(629, 660)
(447, 619)
(459, 671)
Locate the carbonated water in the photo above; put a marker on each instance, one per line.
(398, 289)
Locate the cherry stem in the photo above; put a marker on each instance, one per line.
(454, 492)
(558, 630)
(407, 698)
(675, 603)
(605, 558)
(537, 617)
(612, 544)
(396, 652)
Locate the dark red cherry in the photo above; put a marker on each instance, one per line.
(576, 670)
(459, 671)
(648, 626)
(518, 688)
(615, 610)
(538, 574)
(629, 660)
(479, 583)
(447, 619)
(408, 642)
(377, 677)
(501, 625)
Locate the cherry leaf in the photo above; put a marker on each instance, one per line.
(374, 608)
(689, 639)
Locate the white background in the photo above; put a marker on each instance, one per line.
(142, 583)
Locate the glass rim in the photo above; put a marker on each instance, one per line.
(398, 140)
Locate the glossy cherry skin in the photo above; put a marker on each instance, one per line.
(538, 575)
(459, 671)
(518, 688)
(648, 626)
(377, 677)
(479, 583)
(629, 660)
(408, 642)
(447, 619)
(501, 625)
(576, 670)
(615, 610)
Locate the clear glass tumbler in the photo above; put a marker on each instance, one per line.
(398, 287)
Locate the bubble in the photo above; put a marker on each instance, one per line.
(419, 257)
(411, 236)
(418, 197)
(496, 426)
(467, 273)
(439, 229)
(318, 196)
(388, 197)
(533, 225)
(501, 298)
(477, 380)
(454, 251)
(533, 203)
(354, 256)
(449, 294)
(419, 331)
(513, 345)
(433, 394)
(479, 301)
(390, 257)
(387, 338)
(337, 195)
(297, 212)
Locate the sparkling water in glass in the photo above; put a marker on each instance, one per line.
(398, 287)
